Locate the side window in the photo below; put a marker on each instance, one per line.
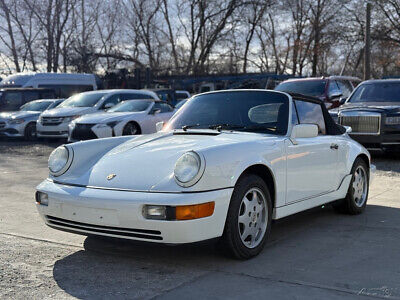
(157, 105)
(333, 88)
(11, 101)
(114, 99)
(345, 87)
(131, 96)
(31, 95)
(67, 90)
(295, 119)
(166, 108)
(311, 113)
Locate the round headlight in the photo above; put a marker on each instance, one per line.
(187, 169)
(59, 160)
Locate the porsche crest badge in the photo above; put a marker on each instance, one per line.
(111, 176)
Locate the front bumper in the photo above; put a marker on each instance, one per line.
(383, 141)
(57, 131)
(16, 130)
(114, 213)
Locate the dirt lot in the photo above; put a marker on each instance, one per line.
(313, 255)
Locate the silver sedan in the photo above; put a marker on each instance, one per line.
(22, 123)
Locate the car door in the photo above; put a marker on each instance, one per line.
(311, 162)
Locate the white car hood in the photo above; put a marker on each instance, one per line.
(18, 114)
(147, 162)
(67, 111)
(105, 117)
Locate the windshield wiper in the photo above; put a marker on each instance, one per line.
(220, 127)
(186, 127)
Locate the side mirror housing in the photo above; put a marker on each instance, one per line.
(155, 111)
(303, 131)
(159, 126)
(335, 95)
(108, 105)
(342, 100)
(348, 129)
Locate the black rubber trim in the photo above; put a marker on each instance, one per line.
(57, 221)
(136, 191)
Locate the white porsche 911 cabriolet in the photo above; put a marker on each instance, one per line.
(224, 166)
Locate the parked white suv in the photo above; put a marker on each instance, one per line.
(54, 123)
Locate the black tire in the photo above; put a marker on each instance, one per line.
(353, 205)
(131, 129)
(231, 241)
(30, 132)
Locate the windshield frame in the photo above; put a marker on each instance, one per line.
(251, 126)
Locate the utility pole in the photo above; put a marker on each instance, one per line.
(367, 47)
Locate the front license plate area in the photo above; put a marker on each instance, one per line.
(90, 215)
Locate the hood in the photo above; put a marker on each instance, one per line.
(105, 117)
(67, 111)
(391, 107)
(145, 162)
(19, 114)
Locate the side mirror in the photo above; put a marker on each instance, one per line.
(348, 129)
(335, 94)
(108, 105)
(159, 126)
(155, 111)
(303, 131)
(342, 100)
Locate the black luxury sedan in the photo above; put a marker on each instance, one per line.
(373, 113)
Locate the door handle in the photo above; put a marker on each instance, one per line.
(334, 146)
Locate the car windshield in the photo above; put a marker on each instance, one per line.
(131, 106)
(377, 92)
(36, 106)
(305, 87)
(83, 100)
(254, 111)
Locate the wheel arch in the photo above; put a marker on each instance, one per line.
(365, 158)
(266, 174)
(135, 123)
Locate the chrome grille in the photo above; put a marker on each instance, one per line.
(2, 124)
(51, 121)
(362, 124)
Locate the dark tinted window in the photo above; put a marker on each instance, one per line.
(67, 90)
(306, 87)
(132, 96)
(333, 89)
(180, 96)
(295, 119)
(31, 95)
(377, 92)
(11, 101)
(311, 113)
(346, 87)
(166, 107)
(256, 111)
(114, 99)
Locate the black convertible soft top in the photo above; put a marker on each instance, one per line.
(331, 127)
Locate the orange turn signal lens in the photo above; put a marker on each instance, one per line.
(189, 212)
